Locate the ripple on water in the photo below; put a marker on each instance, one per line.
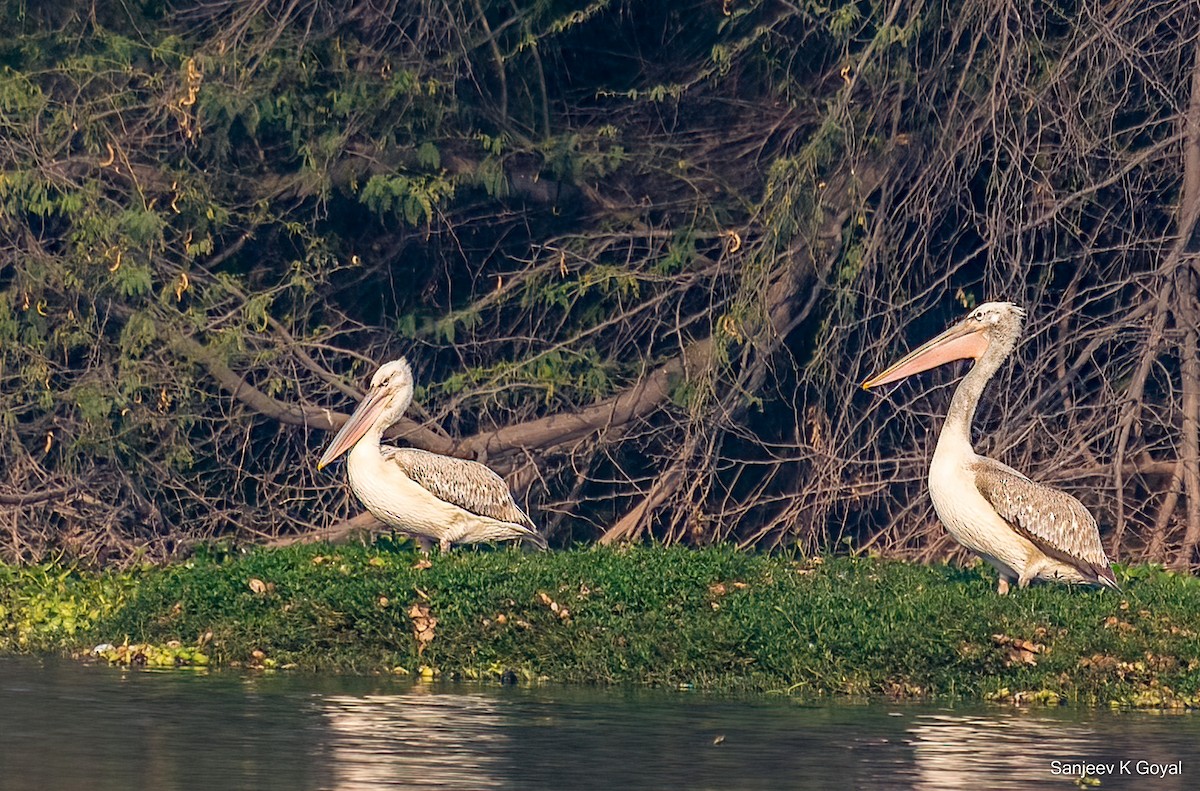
(63, 725)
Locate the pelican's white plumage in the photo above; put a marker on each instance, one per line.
(450, 500)
(1026, 530)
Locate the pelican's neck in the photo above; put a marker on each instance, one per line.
(374, 436)
(364, 458)
(957, 428)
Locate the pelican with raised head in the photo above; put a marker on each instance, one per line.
(1025, 530)
(423, 494)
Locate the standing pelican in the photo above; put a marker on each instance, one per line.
(427, 495)
(1027, 531)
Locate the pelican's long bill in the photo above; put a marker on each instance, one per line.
(963, 341)
(352, 430)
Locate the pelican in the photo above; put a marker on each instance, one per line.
(1025, 530)
(427, 495)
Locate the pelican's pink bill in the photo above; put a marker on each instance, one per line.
(963, 341)
(353, 429)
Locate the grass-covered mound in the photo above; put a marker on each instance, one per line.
(713, 618)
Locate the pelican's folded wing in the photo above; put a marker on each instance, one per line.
(1055, 521)
(467, 484)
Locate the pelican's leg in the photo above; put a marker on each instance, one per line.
(444, 545)
(1002, 588)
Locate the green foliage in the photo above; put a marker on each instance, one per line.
(137, 334)
(95, 405)
(142, 227)
(205, 225)
(679, 255)
(47, 608)
(248, 194)
(428, 156)
(413, 200)
(490, 175)
(133, 279)
(606, 280)
(579, 375)
(845, 20)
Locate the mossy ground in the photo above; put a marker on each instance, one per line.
(715, 619)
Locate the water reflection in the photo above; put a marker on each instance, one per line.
(1026, 749)
(65, 726)
(417, 739)
(1013, 751)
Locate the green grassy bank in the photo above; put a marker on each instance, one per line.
(715, 619)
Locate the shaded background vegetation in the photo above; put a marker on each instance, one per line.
(639, 255)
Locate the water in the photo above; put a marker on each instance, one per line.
(66, 726)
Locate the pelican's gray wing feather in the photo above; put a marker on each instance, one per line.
(1056, 522)
(467, 484)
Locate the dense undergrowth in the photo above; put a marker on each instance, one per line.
(640, 256)
(716, 619)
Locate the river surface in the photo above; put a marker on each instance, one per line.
(68, 726)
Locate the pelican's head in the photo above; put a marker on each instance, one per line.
(998, 319)
(991, 326)
(393, 376)
(390, 394)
